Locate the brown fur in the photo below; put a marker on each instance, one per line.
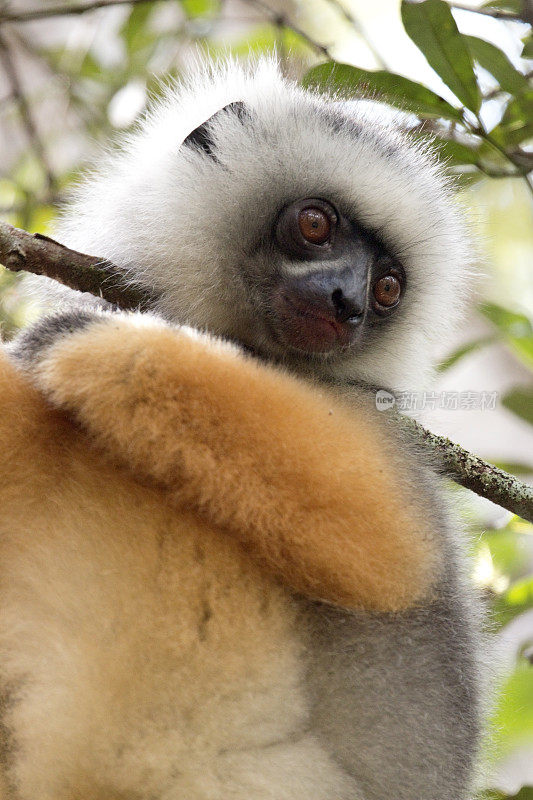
(309, 488)
(112, 604)
(143, 652)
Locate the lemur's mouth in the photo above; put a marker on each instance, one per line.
(309, 328)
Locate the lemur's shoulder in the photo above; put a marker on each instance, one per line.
(314, 491)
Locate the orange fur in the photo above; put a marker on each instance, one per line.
(132, 635)
(311, 489)
(148, 644)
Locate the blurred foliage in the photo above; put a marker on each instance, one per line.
(480, 121)
(524, 794)
(462, 137)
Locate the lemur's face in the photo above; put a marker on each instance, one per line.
(311, 231)
(335, 279)
(316, 286)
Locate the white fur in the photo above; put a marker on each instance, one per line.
(184, 224)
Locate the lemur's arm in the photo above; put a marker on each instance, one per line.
(318, 492)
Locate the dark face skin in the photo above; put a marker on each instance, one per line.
(334, 281)
(347, 282)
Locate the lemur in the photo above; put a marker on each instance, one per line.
(225, 573)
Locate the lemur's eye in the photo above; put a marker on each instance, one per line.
(387, 291)
(314, 225)
(307, 227)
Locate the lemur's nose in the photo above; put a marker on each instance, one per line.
(338, 296)
(346, 308)
(322, 309)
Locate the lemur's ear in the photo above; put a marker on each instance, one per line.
(201, 137)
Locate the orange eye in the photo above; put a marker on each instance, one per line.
(314, 225)
(387, 291)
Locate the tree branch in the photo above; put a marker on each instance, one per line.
(40, 255)
(473, 473)
(25, 252)
(65, 10)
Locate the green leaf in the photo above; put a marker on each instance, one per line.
(514, 467)
(527, 50)
(503, 613)
(496, 62)
(468, 178)
(519, 527)
(90, 68)
(509, 322)
(526, 793)
(493, 160)
(520, 402)
(262, 39)
(522, 346)
(516, 330)
(512, 720)
(431, 26)
(457, 152)
(512, 6)
(452, 152)
(520, 594)
(395, 89)
(458, 354)
(508, 550)
(517, 122)
(200, 8)
(134, 31)
(488, 795)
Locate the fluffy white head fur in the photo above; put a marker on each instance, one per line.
(197, 230)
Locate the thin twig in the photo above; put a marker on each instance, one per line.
(65, 10)
(41, 255)
(496, 13)
(20, 98)
(90, 116)
(509, 156)
(498, 89)
(358, 28)
(281, 19)
(280, 47)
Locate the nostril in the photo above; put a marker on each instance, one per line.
(338, 299)
(345, 309)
